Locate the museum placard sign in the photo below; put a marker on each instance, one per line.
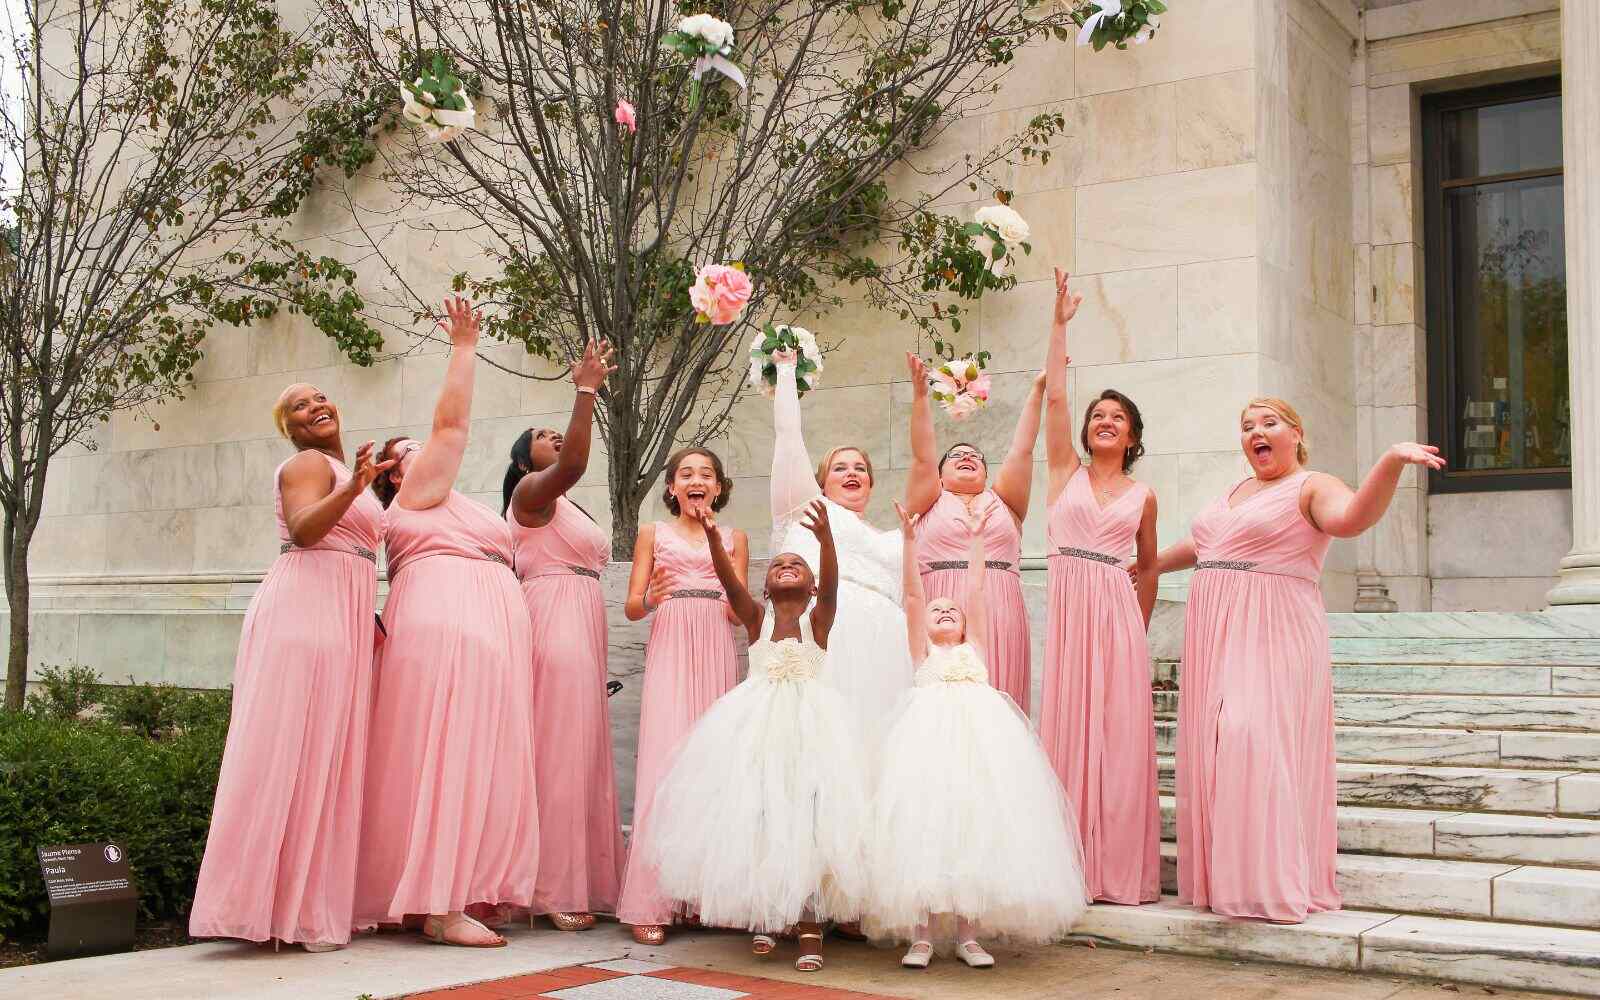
(93, 901)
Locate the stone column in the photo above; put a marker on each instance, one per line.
(1579, 585)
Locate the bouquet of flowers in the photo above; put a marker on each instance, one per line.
(1003, 228)
(960, 385)
(708, 41)
(775, 339)
(1116, 22)
(437, 102)
(719, 293)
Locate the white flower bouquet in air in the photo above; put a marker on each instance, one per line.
(437, 102)
(707, 42)
(775, 340)
(1004, 229)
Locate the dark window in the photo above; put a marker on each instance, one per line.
(1497, 288)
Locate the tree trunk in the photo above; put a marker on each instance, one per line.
(625, 505)
(18, 539)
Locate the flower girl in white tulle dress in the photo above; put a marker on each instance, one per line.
(971, 825)
(760, 820)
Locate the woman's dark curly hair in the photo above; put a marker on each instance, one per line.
(723, 496)
(1134, 451)
(383, 487)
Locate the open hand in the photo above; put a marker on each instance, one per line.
(1412, 453)
(919, 375)
(590, 371)
(461, 322)
(908, 521)
(702, 512)
(367, 471)
(976, 520)
(815, 520)
(660, 587)
(1067, 301)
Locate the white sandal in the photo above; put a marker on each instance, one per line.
(762, 944)
(437, 930)
(918, 955)
(972, 953)
(809, 961)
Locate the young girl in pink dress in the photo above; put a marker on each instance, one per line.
(560, 554)
(450, 817)
(690, 660)
(943, 492)
(970, 826)
(1096, 719)
(1257, 826)
(281, 855)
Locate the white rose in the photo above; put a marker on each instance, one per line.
(714, 31)
(1011, 226)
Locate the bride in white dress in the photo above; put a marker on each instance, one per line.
(868, 662)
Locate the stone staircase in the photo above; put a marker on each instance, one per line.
(1469, 809)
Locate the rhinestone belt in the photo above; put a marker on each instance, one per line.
(354, 550)
(1235, 564)
(962, 564)
(715, 595)
(592, 574)
(1100, 557)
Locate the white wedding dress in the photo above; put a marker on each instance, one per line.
(763, 814)
(868, 660)
(969, 817)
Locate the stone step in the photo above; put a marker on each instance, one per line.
(1454, 650)
(1566, 897)
(1464, 625)
(1455, 711)
(1433, 678)
(1452, 747)
(1519, 956)
(1464, 836)
(1475, 789)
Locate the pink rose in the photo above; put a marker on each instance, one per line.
(943, 382)
(979, 387)
(720, 293)
(962, 407)
(626, 118)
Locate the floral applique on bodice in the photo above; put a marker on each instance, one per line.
(786, 659)
(952, 665)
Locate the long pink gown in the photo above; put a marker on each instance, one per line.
(1257, 828)
(580, 834)
(451, 816)
(280, 859)
(942, 543)
(689, 662)
(1096, 720)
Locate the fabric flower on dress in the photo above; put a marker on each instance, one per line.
(790, 661)
(719, 293)
(962, 666)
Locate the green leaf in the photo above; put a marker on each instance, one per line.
(972, 229)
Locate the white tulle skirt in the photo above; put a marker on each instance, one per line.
(971, 821)
(763, 813)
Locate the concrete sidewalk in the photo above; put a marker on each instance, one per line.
(401, 964)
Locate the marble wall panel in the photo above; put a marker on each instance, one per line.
(1177, 219)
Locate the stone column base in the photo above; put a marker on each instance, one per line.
(1579, 584)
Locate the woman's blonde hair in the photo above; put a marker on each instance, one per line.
(1289, 416)
(280, 409)
(833, 453)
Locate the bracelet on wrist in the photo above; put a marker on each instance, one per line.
(584, 388)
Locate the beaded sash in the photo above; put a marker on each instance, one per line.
(962, 564)
(354, 550)
(1234, 564)
(715, 595)
(1099, 557)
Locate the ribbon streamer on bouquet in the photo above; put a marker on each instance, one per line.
(723, 66)
(1107, 8)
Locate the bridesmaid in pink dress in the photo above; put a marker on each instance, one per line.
(691, 659)
(1257, 827)
(1096, 720)
(949, 492)
(561, 553)
(450, 817)
(281, 855)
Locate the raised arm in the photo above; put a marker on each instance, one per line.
(433, 473)
(745, 609)
(312, 502)
(1332, 507)
(976, 606)
(822, 613)
(1062, 456)
(922, 479)
(793, 483)
(911, 599)
(1014, 484)
(1149, 580)
(537, 490)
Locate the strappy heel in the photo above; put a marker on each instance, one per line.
(809, 961)
(762, 944)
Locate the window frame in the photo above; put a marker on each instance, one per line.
(1442, 397)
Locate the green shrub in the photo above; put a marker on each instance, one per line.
(148, 709)
(65, 692)
(65, 781)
